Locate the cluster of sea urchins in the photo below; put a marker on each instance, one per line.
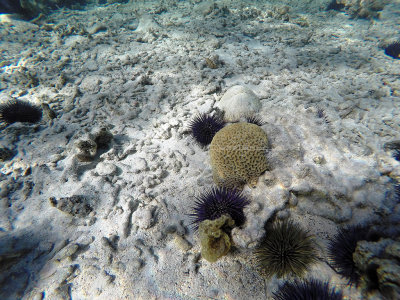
(19, 111)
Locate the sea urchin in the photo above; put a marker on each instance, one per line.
(19, 111)
(307, 290)
(286, 249)
(393, 50)
(217, 202)
(341, 249)
(203, 128)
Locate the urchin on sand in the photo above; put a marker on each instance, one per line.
(116, 225)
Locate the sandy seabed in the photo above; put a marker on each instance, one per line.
(143, 70)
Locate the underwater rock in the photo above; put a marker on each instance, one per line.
(32, 8)
(106, 169)
(144, 217)
(215, 242)
(365, 9)
(76, 205)
(48, 112)
(237, 154)
(102, 137)
(379, 265)
(239, 101)
(86, 149)
(6, 154)
(147, 24)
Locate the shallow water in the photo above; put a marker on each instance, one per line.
(97, 193)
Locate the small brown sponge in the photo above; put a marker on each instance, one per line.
(214, 241)
(238, 155)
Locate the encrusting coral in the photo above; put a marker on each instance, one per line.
(238, 155)
(214, 241)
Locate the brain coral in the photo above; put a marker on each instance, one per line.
(238, 155)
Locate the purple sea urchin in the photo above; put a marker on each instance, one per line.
(219, 201)
(341, 249)
(393, 50)
(19, 111)
(307, 290)
(203, 128)
(286, 249)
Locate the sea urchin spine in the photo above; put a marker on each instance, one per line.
(253, 119)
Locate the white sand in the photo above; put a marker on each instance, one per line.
(95, 70)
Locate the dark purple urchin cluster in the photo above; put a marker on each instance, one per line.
(19, 111)
(393, 50)
(341, 249)
(204, 127)
(307, 290)
(217, 202)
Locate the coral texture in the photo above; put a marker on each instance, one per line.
(238, 155)
(215, 242)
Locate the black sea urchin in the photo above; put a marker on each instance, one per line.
(341, 249)
(19, 111)
(307, 290)
(285, 249)
(393, 50)
(219, 201)
(253, 119)
(203, 128)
